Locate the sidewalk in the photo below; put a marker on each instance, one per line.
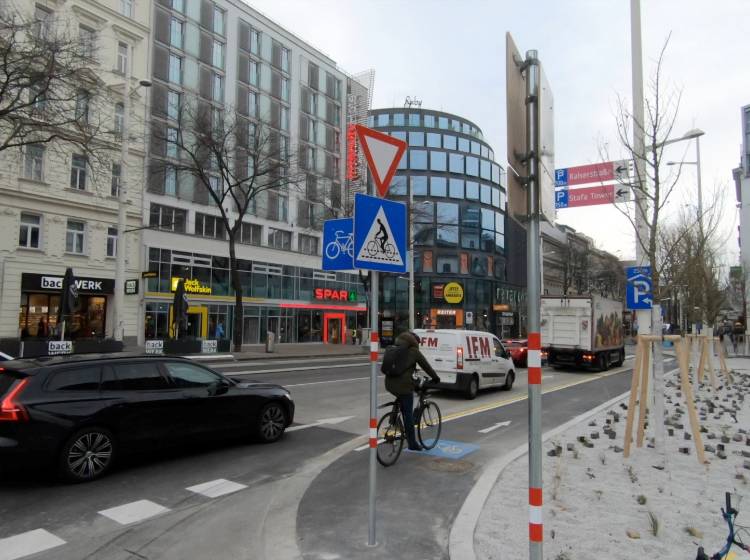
(283, 350)
(596, 501)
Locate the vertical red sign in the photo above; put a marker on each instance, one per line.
(352, 153)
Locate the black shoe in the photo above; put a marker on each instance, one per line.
(416, 447)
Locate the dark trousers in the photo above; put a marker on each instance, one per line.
(407, 410)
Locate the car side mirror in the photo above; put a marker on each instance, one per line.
(220, 387)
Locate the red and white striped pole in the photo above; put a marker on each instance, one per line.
(536, 527)
(373, 431)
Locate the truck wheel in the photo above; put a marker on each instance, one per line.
(621, 359)
(473, 388)
(603, 362)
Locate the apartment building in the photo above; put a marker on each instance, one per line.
(59, 207)
(232, 60)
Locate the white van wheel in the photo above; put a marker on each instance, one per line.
(473, 388)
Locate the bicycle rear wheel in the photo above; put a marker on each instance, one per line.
(390, 438)
(429, 425)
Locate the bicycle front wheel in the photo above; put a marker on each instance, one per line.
(429, 425)
(390, 438)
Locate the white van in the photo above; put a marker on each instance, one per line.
(467, 360)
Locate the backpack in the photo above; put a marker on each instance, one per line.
(395, 360)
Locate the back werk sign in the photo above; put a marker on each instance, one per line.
(53, 283)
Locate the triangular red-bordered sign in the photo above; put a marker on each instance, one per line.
(383, 153)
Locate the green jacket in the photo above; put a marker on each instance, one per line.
(404, 384)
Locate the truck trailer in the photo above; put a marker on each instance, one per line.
(582, 331)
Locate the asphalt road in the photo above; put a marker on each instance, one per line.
(241, 500)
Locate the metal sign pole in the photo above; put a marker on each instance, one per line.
(533, 301)
(374, 288)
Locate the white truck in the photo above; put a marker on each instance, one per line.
(582, 331)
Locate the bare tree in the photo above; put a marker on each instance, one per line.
(50, 94)
(237, 163)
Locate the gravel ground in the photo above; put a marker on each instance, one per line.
(598, 502)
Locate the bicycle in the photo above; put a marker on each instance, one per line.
(729, 514)
(391, 434)
(344, 243)
(373, 248)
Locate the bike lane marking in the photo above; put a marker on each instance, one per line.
(30, 542)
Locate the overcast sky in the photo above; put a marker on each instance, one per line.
(451, 55)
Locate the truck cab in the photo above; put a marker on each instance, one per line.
(467, 361)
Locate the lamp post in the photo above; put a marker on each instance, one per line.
(121, 250)
(411, 260)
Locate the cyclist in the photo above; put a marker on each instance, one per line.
(402, 386)
(382, 236)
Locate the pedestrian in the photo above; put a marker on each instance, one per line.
(402, 386)
(41, 328)
(219, 329)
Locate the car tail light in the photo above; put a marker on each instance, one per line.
(459, 358)
(10, 409)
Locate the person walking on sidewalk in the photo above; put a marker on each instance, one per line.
(402, 386)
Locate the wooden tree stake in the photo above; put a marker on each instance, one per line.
(633, 397)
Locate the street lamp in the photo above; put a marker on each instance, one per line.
(689, 135)
(411, 260)
(121, 251)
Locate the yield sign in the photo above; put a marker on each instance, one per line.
(383, 153)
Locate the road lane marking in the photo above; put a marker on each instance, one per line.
(249, 363)
(495, 427)
(133, 512)
(25, 544)
(324, 421)
(283, 370)
(216, 488)
(330, 381)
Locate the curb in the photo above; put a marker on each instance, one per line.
(461, 539)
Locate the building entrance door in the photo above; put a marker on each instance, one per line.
(334, 328)
(197, 322)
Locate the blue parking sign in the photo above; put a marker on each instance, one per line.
(639, 287)
(338, 244)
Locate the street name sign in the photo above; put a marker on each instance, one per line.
(589, 196)
(593, 173)
(638, 289)
(383, 154)
(338, 244)
(379, 234)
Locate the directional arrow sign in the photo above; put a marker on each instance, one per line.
(594, 173)
(383, 153)
(622, 194)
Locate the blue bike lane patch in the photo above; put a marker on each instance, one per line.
(448, 449)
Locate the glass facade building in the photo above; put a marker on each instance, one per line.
(459, 226)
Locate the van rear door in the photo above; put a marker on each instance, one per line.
(439, 349)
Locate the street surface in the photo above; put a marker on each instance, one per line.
(306, 493)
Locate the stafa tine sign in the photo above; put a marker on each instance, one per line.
(53, 283)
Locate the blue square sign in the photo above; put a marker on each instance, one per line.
(338, 244)
(638, 288)
(379, 234)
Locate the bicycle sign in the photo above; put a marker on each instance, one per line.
(379, 234)
(338, 244)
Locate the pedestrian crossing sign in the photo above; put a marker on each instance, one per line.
(379, 234)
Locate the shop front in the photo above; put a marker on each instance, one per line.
(40, 300)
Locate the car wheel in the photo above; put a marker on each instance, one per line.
(271, 422)
(509, 379)
(87, 455)
(473, 388)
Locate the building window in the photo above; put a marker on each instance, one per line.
(383, 119)
(456, 188)
(457, 163)
(111, 241)
(33, 164)
(116, 179)
(285, 89)
(218, 55)
(443, 122)
(449, 142)
(78, 172)
(218, 21)
(438, 161)
(126, 8)
(438, 186)
(87, 38)
(175, 69)
(250, 234)
(119, 119)
(172, 142)
(173, 105)
(82, 106)
(218, 88)
(284, 118)
(209, 226)
(167, 218)
(28, 235)
(285, 59)
(253, 73)
(178, 6)
(279, 239)
(123, 50)
(472, 166)
(74, 237)
(252, 104)
(175, 33)
(447, 265)
(418, 159)
(414, 119)
(429, 121)
(254, 41)
(42, 22)
(308, 244)
(170, 181)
